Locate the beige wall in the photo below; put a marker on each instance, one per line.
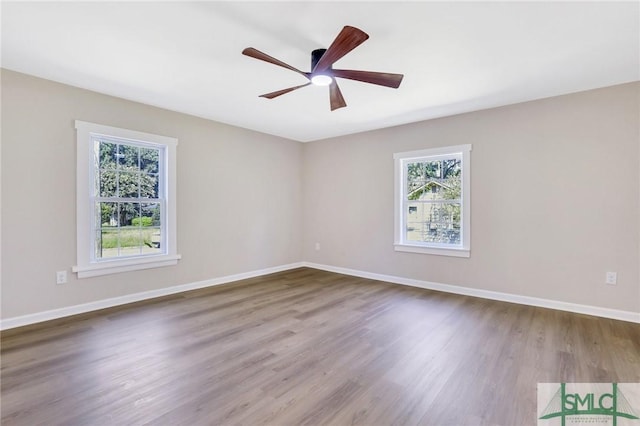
(555, 199)
(239, 196)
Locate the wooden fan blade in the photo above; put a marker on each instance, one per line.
(348, 39)
(379, 78)
(282, 92)
(335, 96)
(255, 53)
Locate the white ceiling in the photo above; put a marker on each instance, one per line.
(456, 57)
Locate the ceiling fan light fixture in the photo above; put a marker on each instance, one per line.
(322, 72)
(321, 80)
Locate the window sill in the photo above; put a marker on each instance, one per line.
(117, 266)
(439, 251)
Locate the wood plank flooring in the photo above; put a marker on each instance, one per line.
(306, 347)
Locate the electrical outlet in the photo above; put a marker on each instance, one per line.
(317, 246)
(611, 278)
(61, 277)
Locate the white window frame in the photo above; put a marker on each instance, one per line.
(87, 266)
(401, 160)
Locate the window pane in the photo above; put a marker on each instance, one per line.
(97, 250)
(150, 214)
(415, 231)
(97, 217)
(107, 243)
(416, 176)
(128, 184)
(152, 239)
(108, 184)
(107, 230)
(148, 186)
(414, 212)
(440, 224)
(128, 212)
(107, 155)
(414, 220)
(95, 169)
(130, 242)
(152, 233)
(130, 236)
(434, 180)
(127, 228)
(128, 157)
(108, 215)
(149, 159)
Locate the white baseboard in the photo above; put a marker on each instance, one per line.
(20, 321)
(487, 294)
(467, 291)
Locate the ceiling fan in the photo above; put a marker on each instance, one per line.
(322, 73)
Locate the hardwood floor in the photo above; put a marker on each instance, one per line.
(306, 347)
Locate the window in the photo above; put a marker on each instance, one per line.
(432, 211)
(126, 214)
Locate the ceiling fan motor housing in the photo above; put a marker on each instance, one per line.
(315, 57)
